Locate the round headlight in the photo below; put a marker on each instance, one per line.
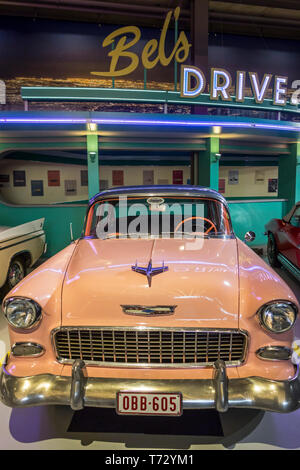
(279, 316)
(21, 312)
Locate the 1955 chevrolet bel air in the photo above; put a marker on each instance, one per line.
(157, 308)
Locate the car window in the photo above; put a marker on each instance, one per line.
(295, 219)
(160, 216)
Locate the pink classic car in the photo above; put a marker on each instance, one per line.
(157, 308)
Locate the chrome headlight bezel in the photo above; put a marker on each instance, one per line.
(31, 304)
(283, 303)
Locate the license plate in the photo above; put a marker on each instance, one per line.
(140, 403)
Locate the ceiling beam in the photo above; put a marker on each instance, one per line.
(253, 21)
(284, 5)
(92, 6)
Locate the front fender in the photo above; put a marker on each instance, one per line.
(44, 285)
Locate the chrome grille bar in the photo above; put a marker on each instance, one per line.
(152, 347)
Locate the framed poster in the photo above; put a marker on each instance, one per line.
(19, 178)
(53, 178)
(84, 177)
(222, 185)
(37, 188)
(272, 185)
(177, 176)
(148, 177)
(259, 177)
(70, 187)
(103, 184)
(4, 181)
(233, 177)
(118, 177)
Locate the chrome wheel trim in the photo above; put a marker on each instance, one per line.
(16, 273)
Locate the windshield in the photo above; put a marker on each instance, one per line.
(157, 216)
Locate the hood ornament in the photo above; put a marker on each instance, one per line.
(149, 271)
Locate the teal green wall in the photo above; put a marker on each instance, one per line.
(289, 175)
(57, 222)
(253, 216)
(245, 216)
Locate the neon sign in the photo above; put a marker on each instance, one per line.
(152, 54)
(193, 84)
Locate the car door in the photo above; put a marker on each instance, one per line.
(290, 238)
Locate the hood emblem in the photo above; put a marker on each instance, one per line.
(148, 310)
(149, 271)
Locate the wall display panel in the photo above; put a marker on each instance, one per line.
(37, 188)
(84, 178)
(259, 177)
(118, 177)
(233, 177)
(4, 181)
(247, 186)
(222, 185)
(177, 177)
(148, 177)
(70, 187)
(53, 178)
(19, 178)
(272, 185)
(103, 184)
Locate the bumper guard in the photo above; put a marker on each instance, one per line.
(220, 392)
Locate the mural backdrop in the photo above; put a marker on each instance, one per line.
(51, 53)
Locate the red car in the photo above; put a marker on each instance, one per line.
(284, 241)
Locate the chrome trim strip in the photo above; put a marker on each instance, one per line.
(153, 191)
(156, 310)
(294, 270)
(146, 365)
(249, 392)
(246, 201)
(19, 243)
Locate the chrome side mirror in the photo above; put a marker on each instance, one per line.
(249, 237)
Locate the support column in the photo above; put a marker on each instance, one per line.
(93, 163)
(199, 40)
(199, 34)
(289, 175)
(192, 169)
(208, 164)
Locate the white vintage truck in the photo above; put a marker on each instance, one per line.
(20, 248)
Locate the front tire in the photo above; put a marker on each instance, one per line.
(272, 252)
(16, 272)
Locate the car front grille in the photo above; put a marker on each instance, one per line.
(156, 347)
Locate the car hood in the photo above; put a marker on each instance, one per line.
(201, 281)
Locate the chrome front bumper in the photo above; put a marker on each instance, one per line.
(220, 393)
